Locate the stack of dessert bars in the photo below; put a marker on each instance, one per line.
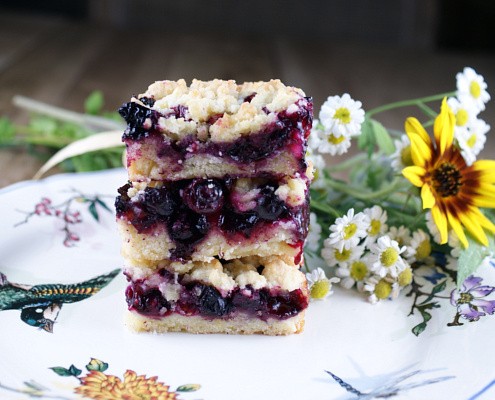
(215, 213)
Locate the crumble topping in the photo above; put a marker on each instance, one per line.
(275, 272)
(293, 192)
(221, 108)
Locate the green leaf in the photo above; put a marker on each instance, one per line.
(97, 365)
(61, 371)
(383, 139)
(436, 289)
(74, 371)
(94, 103)
(189, 387)
(103, 204)
(43, 125)
(471, 258)
(92, 210)
(418, 329)
(7, 130)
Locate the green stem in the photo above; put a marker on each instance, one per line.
(358, 193)
(325, 208)
(350, 162)
(406, 103)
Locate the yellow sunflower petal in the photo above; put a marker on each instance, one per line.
(444, 127)
(469, 220)
(414, 174)
(420, 151)
(427, 196)
(457, 227)
(481, 165)
(485, 196)
(484, 221)
(413, 126)
(441, 223)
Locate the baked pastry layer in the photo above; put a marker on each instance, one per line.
(205, 218)
(239, 130)
(238, 326)
(250, 289)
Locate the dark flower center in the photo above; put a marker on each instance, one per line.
(465, 298)
(447, 180)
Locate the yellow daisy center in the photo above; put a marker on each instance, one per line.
(423, 250)
(383, 289)
(375, 226)
(343, 114)
(472, 140)
(358, 270)
(447, 180)
(320, 289)
(406, 157)
(461, 118)
(334, 139)
(350, 230)
(389, 257)
(342, 255)
(475, 89)
(405, 277)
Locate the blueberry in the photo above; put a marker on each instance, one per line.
(270, 207)
(147, 101)
(188, 227)
(211, 302)
(159, 201)
(146, 302)
(204, 196)
(233, 222)
(135, 114)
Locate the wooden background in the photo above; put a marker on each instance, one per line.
(60, 61)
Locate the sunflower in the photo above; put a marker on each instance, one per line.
(99, 386)
(453, 190)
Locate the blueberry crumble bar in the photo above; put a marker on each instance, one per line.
(216, 210)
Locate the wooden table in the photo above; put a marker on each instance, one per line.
(61, 62)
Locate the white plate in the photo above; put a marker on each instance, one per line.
(367, 346)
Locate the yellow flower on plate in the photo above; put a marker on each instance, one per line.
(453, 190)
(99, 386)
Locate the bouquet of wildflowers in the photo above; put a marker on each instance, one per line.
(410, 212)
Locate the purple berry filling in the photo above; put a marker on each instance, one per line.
(288, 132)
(196, 298)
(189, 209)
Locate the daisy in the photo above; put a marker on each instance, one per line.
(380, 289)
(342, 258)
(348, 230)
(386, 257)
(334, 144)
(401, 158)
(453, 190)
(320, 287)
(472, 140)
(432, 228)
(355, 274)
(420, 246)
(405, 277)
(401, 235)
(314, 233)
(318, 163)
(342, 116)
(315, 137)
(472, 87)
(378, 226)
(465, 113)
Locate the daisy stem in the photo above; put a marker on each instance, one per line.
(350, 162)
(358, 193)
(406, 103)
(325, 208)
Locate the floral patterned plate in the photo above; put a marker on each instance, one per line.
(62, 307)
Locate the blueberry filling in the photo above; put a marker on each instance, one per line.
(290, 130)
(196, 298)
(189, 209)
